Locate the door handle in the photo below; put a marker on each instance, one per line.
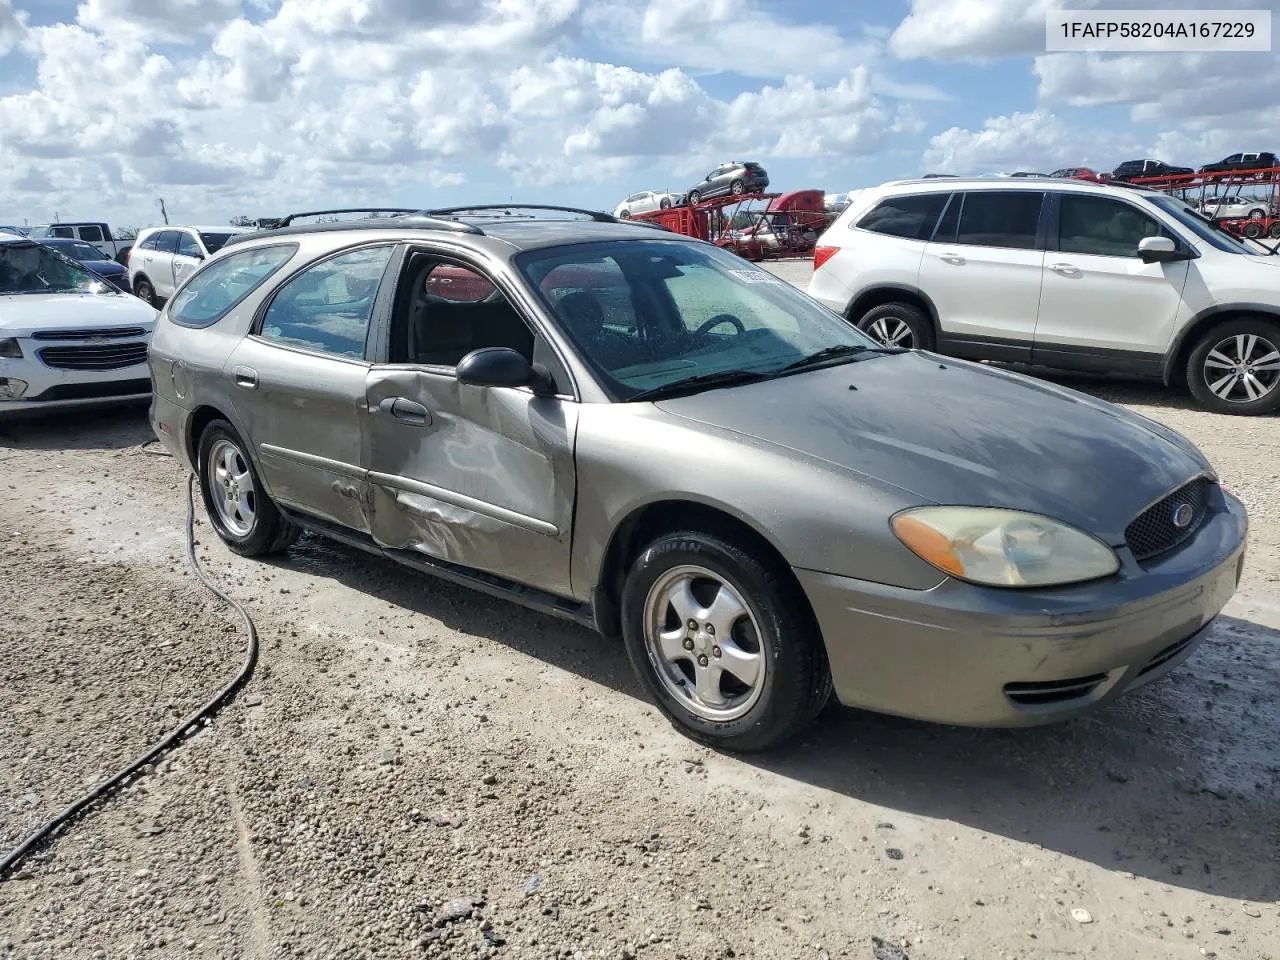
(407, 411)
(1066, 269)
(952, 258)
(246, 377)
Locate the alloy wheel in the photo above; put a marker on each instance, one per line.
(231, 488)
(1242, 368)
(892, 332)
(704, 643)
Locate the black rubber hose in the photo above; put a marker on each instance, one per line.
(188, 726)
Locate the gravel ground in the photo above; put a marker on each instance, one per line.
(417, 770)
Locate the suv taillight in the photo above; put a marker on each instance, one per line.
(822, 254)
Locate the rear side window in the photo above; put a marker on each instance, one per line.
(92, 233)
(61, 232)
(211, 293)
(1000, 218)
(326, 308)
(911, 217)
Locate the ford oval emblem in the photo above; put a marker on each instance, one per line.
(1182, 515)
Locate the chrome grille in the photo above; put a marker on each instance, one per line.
(1154, 531)
(98, 356)
(100, 333)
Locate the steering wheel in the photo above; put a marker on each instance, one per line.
(718, 319)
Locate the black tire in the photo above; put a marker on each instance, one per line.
(797, 680)
(1253, 229)
(1200, 375)
(624, 215)
(737, 188)
(694, 197)
(1274, 232)
(1257, 214)
(270, 532)
(664, 203)
(143, 290)
(882, 318)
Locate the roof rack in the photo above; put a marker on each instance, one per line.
(287, 221)
(595, 215)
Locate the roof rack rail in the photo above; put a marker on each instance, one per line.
(287, 221)
(595, 215)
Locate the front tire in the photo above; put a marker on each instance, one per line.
(239, 509)
(664, 203)
(1253, 229)
(898, 325)
(144, 291)
(724, 642)
(1235, 368)
(694, 198)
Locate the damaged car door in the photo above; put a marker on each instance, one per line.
(482, 477)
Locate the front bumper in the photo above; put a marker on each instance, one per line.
(50, 390)
(980, 656)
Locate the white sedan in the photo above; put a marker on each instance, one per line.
(67, 337)
(647, 201)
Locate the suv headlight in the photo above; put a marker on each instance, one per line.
(1003, 548)
(11, 349)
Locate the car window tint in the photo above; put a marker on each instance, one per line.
(1102, 226)
(912, 217)
(327, 307)
(946, 232)
(1000, 218)
(214, 290)
(187, 246)
(92, 233)
(61, 232)
(213, 241)
(574, 287)
(167, 241)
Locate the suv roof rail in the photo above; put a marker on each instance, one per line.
(595, 215)
(288, 221)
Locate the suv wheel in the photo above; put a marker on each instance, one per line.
(664, 203)
(737, 188)
(1257, 213)
(624, 215)
(144, 291)
(694, 197)
(246, 519)
(724, 643)
(898, 325)
(1235, 367)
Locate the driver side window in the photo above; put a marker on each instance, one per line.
(326, 308)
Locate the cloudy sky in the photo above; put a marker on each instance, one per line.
(259, 107)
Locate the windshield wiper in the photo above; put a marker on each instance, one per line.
(721, 378)
(837, 352)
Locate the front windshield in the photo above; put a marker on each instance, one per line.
(213, 241)
(32, 268)
(645, 314)
(1198, 225)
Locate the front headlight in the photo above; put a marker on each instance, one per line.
(1003, 548)
(11, 348)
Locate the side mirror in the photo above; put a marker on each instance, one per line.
(1158, 250)
(496, 367)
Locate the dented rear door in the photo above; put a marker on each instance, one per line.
(477, 476)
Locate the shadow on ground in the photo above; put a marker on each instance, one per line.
(1179, 782)
(111, 428)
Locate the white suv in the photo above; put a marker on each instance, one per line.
(1071, 275)
(162, 257)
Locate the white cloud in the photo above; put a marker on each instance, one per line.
(176, 21)
(1035, 141)
(974, 29)
(13, 26)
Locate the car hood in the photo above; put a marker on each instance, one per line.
(102, 267)
(25, 313)
(960, 433)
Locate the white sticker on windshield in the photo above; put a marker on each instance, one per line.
(755, 276)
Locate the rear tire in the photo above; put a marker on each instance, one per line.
(249, 523)
(1214, 367)
(898, 325)
(1256, 214)
(625, 215)
(737, 188)
(1253, 229)
(664, 203)
(770, 680)
(1274, 232)
(694, 197)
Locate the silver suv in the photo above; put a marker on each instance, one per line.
(647, 435)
